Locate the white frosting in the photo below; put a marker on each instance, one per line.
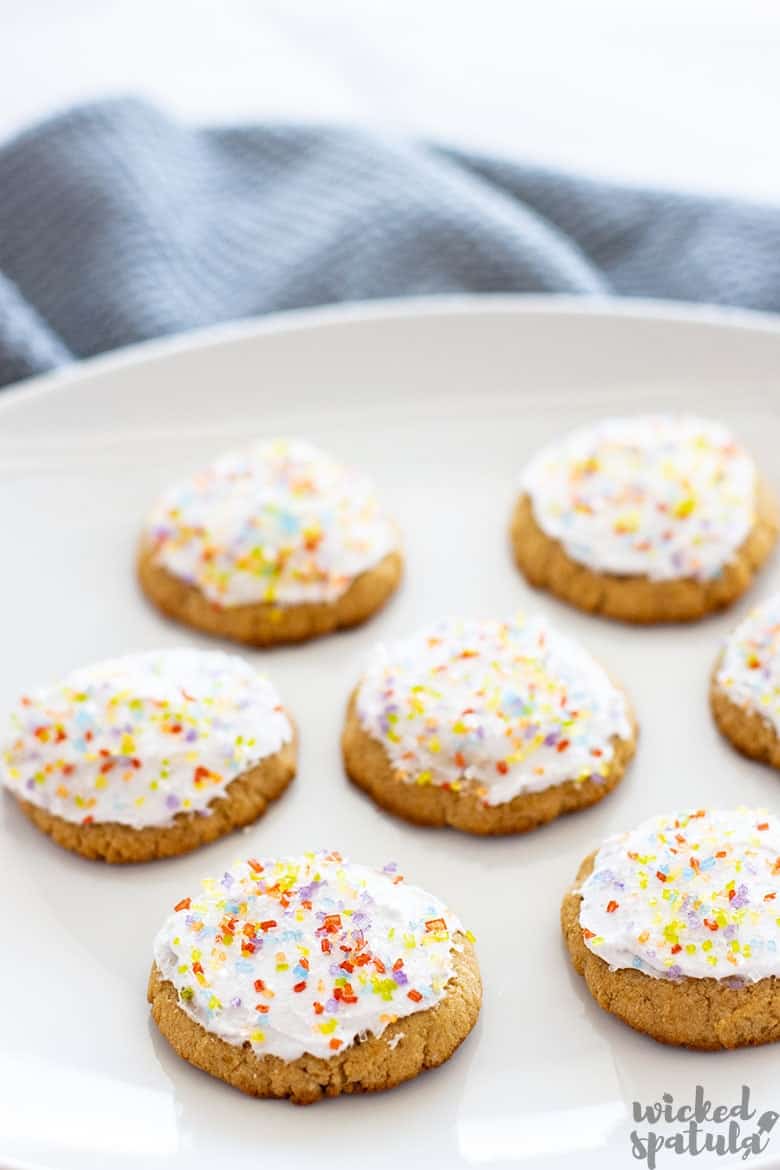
(690, 895)
(656, 496)
(279, 522)
(136, 740)
(503, 707)
(306, 954)
(749, 672)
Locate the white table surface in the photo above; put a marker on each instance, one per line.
(674, 92)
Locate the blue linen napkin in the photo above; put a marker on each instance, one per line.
(119, 224)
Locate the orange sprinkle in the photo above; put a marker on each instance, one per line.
(183, 905)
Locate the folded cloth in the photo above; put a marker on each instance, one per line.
(119, 224)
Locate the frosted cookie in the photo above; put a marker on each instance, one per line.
(675, 927)
(648, 519)
(149, 755)
(276, 543)
(745, 689)
(313, 976)
(491, 727)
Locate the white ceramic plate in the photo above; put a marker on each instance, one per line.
(442, 402)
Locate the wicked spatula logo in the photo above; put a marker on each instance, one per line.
(700, 1126)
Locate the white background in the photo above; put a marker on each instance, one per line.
(674, 92)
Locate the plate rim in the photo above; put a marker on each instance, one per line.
(225, 333)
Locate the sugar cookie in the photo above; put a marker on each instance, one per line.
(674, 926)
(149, 755)
(277, 543)
(313, 976)
(646, 519)
(491, 727)
(745, 689)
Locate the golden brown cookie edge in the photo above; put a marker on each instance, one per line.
(245, 800)
(369, 767)
(427, 1039)
(634, 599)
(701, 1014)
(748, 731)
(268, 624)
